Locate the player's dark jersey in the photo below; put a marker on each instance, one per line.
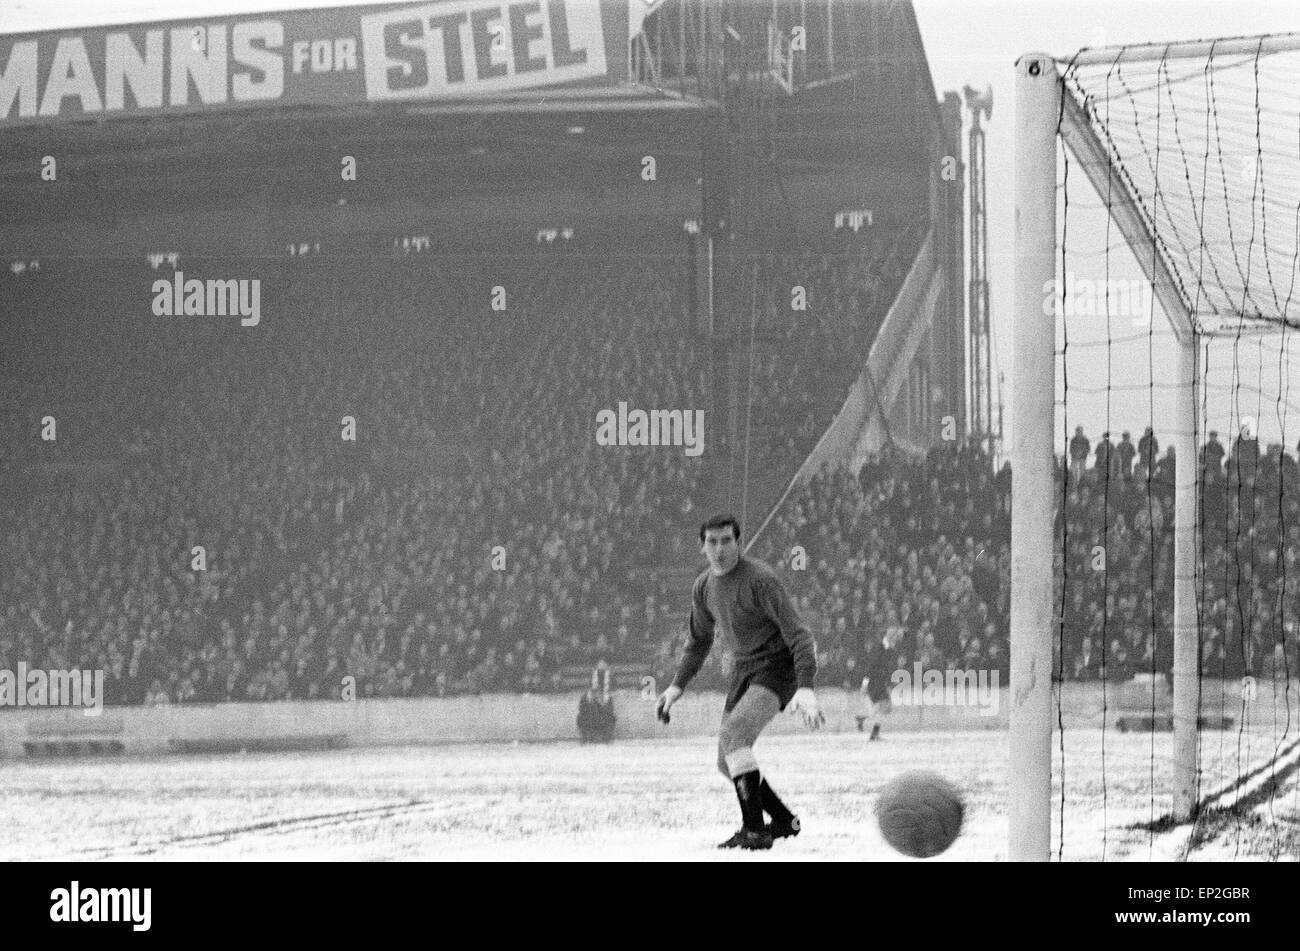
(879, 671)
(755, 613)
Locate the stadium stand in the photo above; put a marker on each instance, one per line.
(329, 559)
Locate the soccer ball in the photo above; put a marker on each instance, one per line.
(920, 813)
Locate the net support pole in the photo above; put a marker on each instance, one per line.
(1186, 654)
(1033, 462)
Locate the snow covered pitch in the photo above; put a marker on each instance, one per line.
(633, 800)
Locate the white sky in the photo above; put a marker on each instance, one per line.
(967, 42)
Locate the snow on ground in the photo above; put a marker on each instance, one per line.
(632, 801)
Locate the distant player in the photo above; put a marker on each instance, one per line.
(875, 686)
(873, 702)
(775, 664)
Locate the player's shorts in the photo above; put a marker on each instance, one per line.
(775, 676)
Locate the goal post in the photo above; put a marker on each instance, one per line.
(1033, 461)
(1208, 282)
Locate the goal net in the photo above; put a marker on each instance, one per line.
(1156, 492)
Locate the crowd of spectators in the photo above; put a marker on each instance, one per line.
(847, 291)
(1114, 557)
(201, 530)
(908, 560)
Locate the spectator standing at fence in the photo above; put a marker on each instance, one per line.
(1148, 448)
(1078, 452)
(1102, 457)
(1126, 451)
(1212, 458)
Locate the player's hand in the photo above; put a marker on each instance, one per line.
(805, 704)
(666, 701)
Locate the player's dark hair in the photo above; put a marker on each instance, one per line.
(721, 521)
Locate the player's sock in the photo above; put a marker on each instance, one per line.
(773, 805)
(748, 781)
(751, 799)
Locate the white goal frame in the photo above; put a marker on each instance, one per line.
(1044, 112)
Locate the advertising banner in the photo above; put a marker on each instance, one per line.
(343, 56)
